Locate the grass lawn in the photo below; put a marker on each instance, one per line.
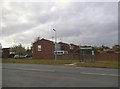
(0, 60)
(101, 64)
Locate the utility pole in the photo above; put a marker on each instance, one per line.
(55, 44)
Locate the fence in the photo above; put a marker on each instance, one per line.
(107, 57)
(97, 57)
(70, 56)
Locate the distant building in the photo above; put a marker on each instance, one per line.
(71, 48)
(44, 49)
(5, 52)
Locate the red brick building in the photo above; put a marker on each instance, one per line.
(44, 49)
(71, 48)
(5, 52)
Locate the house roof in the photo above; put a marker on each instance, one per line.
(63, 43)
(5, 48)
(43, 40)
(74, 45)
(46, 40)
(58, 42)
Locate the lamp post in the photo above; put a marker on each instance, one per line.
(55, 44)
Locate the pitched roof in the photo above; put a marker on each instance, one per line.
(43, 40)
(63, 43)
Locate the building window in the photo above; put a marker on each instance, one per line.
(39, 47)
(71, 47)
(60, 52)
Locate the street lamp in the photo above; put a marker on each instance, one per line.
(55, 44)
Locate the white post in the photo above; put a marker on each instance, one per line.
(55, 44)
(93, 55)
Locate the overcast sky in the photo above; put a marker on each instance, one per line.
(82, 23)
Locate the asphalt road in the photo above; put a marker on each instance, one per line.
(33, 75)
(0, 75)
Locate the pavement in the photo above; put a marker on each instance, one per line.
(37, 75)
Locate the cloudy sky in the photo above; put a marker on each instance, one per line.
(82, 23)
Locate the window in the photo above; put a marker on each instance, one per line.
(39, 47)
(60, 52)
(71, 47)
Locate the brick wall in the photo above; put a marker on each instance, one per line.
(69, 56)
(97, 57)
(106, 57)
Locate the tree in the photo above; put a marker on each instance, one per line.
(103, 49)
(37, 39)
(29, 51)
(116, 48)
(18, 49)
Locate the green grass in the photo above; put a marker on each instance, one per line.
(38, 61)
(0, 60)
(101, 64)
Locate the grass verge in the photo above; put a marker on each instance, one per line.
(0, 60)
(99, 64)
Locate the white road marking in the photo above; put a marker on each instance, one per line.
(70, 64)
(99, 74)
(32, 69)
(98, 68)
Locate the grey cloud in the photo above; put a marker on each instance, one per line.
(18, 28)
(81, 23)
(106, 23)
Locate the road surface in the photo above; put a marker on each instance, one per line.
(37, 75)
(0, 75)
